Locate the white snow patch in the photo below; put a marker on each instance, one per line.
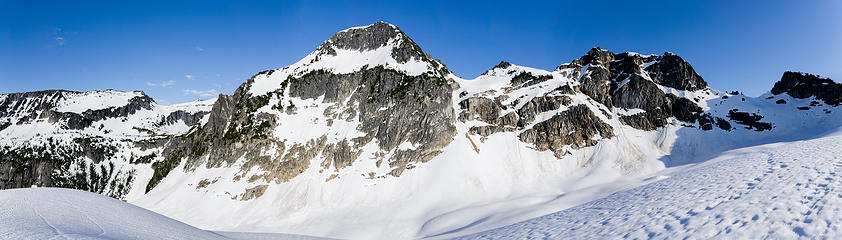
(95, 100)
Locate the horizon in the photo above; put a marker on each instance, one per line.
(179, 56)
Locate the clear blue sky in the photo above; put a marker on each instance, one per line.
(178, 52)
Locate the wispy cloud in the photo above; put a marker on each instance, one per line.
(199, 49)
(60, 36)
(60, 41)
(208, 93)
(162, 84)
(191, 77)
(162, 101)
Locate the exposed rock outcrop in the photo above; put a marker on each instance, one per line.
(575, 127)
(631, 81)
(805, 85)
(751, 120)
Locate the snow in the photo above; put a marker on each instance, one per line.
(628, 112)
(192, 107)
(781, 191)
(95, 100)
(42, 213)
(48, 213)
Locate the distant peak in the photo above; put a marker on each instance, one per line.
(597, 49)
(379, 24)
(502, 65)
(804, 76)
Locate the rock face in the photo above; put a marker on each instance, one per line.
(575, 127)
(631, 81)
(672, 71)
(805, 85)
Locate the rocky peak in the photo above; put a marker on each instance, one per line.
(374, 37)
(502, 65)
(354, 50)
(365, 38)
(805, 85)
(634, 81)
(597, 56)
(672, 71)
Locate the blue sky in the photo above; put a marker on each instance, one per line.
(178, 52)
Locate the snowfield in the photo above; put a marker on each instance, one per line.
(781, 191)
(57, 213)
(44, 213)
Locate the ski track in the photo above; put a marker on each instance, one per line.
(783, 190)
(58, 233)
(88, 217)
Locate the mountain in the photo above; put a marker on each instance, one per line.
(370, 137)
(85, 140)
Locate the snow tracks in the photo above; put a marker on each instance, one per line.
(783, 190)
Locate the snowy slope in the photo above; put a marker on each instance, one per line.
(44, 213)
(57, 213)
(783, 190)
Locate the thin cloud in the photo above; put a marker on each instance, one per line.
(59, 36)
(163, 102)
(191, 77)
(208, 93)
(162, 84)
(199, 49)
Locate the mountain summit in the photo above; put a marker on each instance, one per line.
(354, 49)
(373, 37)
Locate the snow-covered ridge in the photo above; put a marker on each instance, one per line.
(192, 107)
(95, 100)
